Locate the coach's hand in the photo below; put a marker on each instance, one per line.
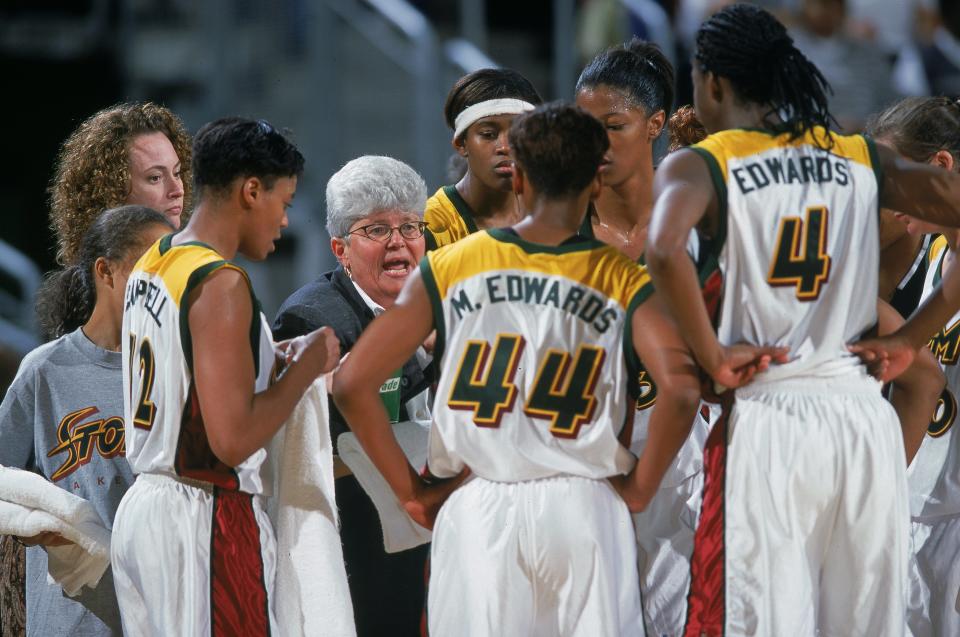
(886, 357)
(735, 365)
(426, 503)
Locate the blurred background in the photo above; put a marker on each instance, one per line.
(353, 77)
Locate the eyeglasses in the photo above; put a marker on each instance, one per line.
(382, 231)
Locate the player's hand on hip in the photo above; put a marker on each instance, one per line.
(426, 504)
(738, 364)
(320, 349)
(886, 357)
(636, 496)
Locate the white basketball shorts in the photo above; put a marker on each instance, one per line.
(805, 522)
(553, 557)
(190, 559)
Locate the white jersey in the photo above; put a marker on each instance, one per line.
(798, 245)
(163, 424)
(536, 358)
(934, 475)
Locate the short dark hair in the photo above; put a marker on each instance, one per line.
(487, 84)
(637, 68)
(233, 147)
(559, 146)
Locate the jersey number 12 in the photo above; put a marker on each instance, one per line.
(145, 410)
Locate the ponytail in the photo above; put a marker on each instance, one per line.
(67, 297)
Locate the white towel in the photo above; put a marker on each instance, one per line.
(30, 505)
(312, 596)
(400, 532)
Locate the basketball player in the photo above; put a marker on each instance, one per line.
(629, 88)
(537, 328)
(808, 517)
(479, 110)
(933, 477)
(193, 550)
(928, 129)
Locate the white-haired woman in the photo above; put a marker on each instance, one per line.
(375, 221)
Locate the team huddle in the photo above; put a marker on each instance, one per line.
(712, 422)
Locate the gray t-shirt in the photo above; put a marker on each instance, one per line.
(63, 418)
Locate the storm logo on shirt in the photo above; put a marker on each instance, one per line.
(79, 439)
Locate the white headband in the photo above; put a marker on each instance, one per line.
(471, 114)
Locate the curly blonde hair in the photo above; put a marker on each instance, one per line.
(93, 168)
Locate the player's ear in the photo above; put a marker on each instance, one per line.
(944, 159)
(460, 144)
(103, 271)
(517, 179)
(251, 190)
(597, 185)
(716, 87)
(655, 125)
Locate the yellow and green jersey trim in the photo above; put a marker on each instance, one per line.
(449, 218)
(719, 149)
(182, 268)
(935, 254)
(591, 263)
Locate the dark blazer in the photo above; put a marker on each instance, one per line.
(333, 301)
(388, 591)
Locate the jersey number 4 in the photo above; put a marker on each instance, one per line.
(145, 411)
(562, 392)
(800, 259)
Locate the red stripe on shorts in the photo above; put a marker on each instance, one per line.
(238, 594)
(705, 601)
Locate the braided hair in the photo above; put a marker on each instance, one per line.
(637, 68)
(66, 299)
(749, 47)
(919, 127)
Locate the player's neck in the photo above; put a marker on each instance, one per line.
(552, 221)
(627, 205)
(750, 116)
(103, 327)
(210, 225)
(491, 207)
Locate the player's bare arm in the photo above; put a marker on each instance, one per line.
(891, 355)
(666, 357)
(915, 392)
(383, 347)
(924, 191)
(685, 198)
(238, 421)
